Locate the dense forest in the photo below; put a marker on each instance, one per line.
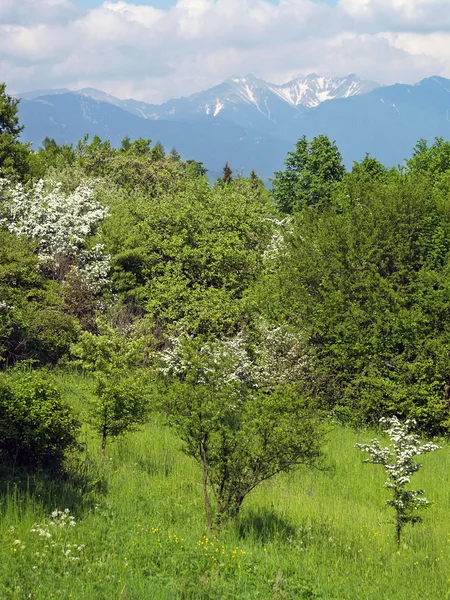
(256, 327)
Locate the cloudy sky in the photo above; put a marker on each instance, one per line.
(159, 49)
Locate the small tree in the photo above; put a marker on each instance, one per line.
(237, 423)
(120, 403)
(227, 173)
(400, 466)
(118, 407)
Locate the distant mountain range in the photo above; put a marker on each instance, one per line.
(251, 123)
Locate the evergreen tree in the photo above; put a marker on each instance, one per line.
(174, 154)
(227, 173)
(158, 152)
(125, 144)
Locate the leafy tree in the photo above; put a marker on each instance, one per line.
(51, 155)
(141, 147)
(400, 466)
(14, 155)
(241, 427)
(186, 256)
(158, 152)
(9, 118)
(33, 321)
(256, 181)
(36, 427)
(311, 172)
(174, 155)
(120, 403)
(94, 156)
(125, 145)
(368, 280)
(119, 406)
(433, 160)
(196, 168)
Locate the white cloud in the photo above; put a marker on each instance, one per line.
(29, 12)
(154, 54)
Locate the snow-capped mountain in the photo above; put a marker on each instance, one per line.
(251, 123)
(250, 91)
(312, 90)
(244, 100)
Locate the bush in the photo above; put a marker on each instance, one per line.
(36, 426)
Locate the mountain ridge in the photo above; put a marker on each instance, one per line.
(255, 128)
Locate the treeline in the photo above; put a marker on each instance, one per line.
(246, 315)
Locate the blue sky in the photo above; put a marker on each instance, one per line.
(129, 50)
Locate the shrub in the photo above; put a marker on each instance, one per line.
(36, 426)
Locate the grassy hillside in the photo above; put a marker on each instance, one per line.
(140, 529)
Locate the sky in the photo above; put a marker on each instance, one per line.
(154, 50)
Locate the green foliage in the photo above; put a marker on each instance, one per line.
(94, 156)
(33, 321)
(433, 160)
(120, 403)
(368, 279)
(51, 156)
(186, 255)
(119, 406)
(36, 426)
(240, 429)
(14, 155)
(311, 172)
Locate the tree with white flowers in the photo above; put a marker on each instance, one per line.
(242, 412)
(399, 465)
(60, 225)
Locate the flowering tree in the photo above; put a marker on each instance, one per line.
(60, 225)
(239, 422)
(400, 466)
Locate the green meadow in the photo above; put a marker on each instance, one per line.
(140, 529)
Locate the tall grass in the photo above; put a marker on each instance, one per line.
(139, 516)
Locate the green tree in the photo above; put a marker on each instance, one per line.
(174, 155)
(187, 255)
(311, 173)
(125, 144)
(95, 156)
(14, 155)
(140, 147)
(432, 161)
(120, 403)
(34, 324)
(196, 168)
(241, 428)
(368, 280)
(158, 152)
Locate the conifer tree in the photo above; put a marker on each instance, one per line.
(227, 173)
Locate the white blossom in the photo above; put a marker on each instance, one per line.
(278, 358)
(399, 465)
(59, 224)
